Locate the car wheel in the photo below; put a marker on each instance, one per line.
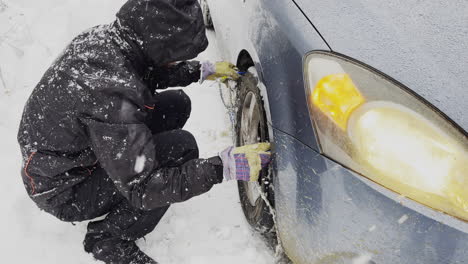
(251, 127)
(206, 14)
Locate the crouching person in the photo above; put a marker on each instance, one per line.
(98, 140)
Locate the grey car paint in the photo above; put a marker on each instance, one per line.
(422, 44)
(276, 35)
(329, 215)
(326, 213)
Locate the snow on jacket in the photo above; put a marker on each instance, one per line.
(90, 107)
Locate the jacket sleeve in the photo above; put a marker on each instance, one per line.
(179, 75)
(124, 147)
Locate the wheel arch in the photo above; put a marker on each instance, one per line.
(245, 61)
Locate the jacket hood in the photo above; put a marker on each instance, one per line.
(164, 30)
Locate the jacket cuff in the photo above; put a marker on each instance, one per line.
(218, 167)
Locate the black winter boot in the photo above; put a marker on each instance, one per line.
(111, 249)
(92, 238)
(112, 239)
(118, 251)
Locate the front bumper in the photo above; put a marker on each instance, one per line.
(329, 214)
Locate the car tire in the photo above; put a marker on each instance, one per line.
(252, 127)
(206, 14)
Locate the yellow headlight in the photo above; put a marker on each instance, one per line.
(337, 97)
(378, 129)
(407, 153)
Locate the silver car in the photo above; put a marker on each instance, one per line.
(365, 103)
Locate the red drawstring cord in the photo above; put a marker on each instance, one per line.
(33, 186)
(31, 180)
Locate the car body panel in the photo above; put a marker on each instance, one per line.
(328, 214)
(422, 44)
(277, 37)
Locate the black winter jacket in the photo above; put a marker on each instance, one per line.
(90, 107)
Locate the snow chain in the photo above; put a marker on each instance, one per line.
(231, 107)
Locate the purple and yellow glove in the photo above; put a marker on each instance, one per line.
(245, 163)
(219, 71)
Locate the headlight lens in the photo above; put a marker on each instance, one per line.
(379, 129)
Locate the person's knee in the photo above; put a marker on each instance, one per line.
(188, 142)
(184, 98)
(175, 147)
(177, 101)
(188, 139)
(173, 109)
(185, 103)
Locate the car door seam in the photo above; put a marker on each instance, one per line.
(295, 138)
(310, 21)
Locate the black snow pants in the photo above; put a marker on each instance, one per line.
(98, 196)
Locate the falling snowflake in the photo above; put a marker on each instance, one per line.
(140, 163)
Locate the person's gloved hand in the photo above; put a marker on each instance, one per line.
(220, 70)
(245, 163)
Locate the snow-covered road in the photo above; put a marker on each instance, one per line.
(206, 229)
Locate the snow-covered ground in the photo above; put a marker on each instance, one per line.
(207, 229)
